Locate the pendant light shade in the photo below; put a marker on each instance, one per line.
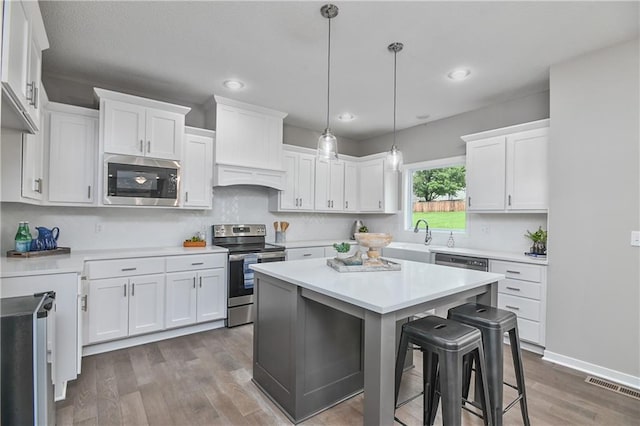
(394, 156)
(327, 143)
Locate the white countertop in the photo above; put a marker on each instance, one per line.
(489, 254)
(381, 292)
(315, 243)
(74, 262)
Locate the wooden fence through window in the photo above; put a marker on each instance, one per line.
(439, 206)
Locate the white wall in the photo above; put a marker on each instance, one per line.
(147, 227)
(594, 274)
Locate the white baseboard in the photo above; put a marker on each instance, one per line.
(113, 345)
(593, 369)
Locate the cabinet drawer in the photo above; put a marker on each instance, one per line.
(524, 308)
(520, 288)
(193, 262)
(305, 253)
(529, 330)
(518, 271)
(125, 267)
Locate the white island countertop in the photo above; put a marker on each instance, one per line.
(380, 292)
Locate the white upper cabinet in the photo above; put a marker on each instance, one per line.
(72, 154)
(329, 194)
(351, 186)
(507, 169)
(23, 39)
(33, 166)
(378, 187)
(197, 168)
(131, 125)
(299, 189)
(248, 147)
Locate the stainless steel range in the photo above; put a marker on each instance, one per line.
(246, 244)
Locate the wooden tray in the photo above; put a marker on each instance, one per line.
(194, 244)
(40, 253)
(387, 265)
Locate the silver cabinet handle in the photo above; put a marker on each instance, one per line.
(379, 204)
(89, 192)
(346, 204)
(125, 289)
(200, 282)
(307, 254)
(328, 203)
(197, 263)
(300, 201)
(469, 202)
(148, 146)
(30, 87)
(128, 269)
(85, 302)
(36, 93)
(133, 289)
(141, 145)
(513, 288)
(509, 197)
(194, 282)
(186, 197)
(37, 185)
(512, 272)
(296, 202)
(512, 307)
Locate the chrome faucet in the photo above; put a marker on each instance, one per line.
(427, 237)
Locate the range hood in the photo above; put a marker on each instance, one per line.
(248, 148)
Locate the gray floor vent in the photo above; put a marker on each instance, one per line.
(613, 387)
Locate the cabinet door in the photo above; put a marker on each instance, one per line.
(350, 187)
(181, 299)
(33, 80)
(108, 303)
(146, 304)
(164, 132)
(305, 253)
(289, 196)
(15, 52)
(72, 158)
(527, 170)
(212, 295)
(372, 185)
(124, 128)
(323, 176)
(306, 181)
(486, 174)
(197, 171)
(32, 166)
(336, 185)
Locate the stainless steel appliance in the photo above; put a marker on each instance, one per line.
(27, 389)
(246, 244)
(141, 181)
(464, 262)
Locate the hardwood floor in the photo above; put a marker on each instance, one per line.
(205, 379)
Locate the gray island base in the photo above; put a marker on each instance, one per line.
(321, 337)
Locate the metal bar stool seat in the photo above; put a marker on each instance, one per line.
(444, 344)
(493, 323)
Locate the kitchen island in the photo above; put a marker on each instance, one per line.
(321, 336)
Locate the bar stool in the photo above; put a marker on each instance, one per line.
(444, 344)
(493, 323)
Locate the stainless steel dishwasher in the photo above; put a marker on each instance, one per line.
(463, 262)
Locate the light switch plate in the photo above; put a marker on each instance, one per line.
(635, 238)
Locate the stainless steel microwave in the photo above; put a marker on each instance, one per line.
(141, 181)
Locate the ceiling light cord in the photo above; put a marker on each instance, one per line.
(395, 80)
(328, 71)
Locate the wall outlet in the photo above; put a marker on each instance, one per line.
(485, 229)
(98, 228)
(635, 238)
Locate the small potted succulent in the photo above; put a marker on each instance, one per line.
(342, 249)
(539, 240)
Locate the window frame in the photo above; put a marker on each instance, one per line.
(407, 188)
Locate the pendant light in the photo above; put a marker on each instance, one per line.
(394, 156)
(327, 143)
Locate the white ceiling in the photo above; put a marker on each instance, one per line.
(185, 50)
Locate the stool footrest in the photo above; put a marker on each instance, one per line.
(514, 402)
(409, 400)
(399, 421)
(464, 407)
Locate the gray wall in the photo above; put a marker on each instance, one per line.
(594, 274)
(441, 138)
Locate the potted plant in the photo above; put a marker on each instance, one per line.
(539, 240)
(342, 249)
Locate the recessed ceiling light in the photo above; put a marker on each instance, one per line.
(346, 116)
(459, 74)
(233, 84)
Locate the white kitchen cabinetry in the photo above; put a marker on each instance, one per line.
(248, 146)
(507, 169)
(523, 292)
(299, 183)
(196, 289)
(23, 39)
(33, 166)
(131, 125)
(197, 168)
(378, 187)
(72, 135)
(304, 253)
(351, 186)
(329, 194)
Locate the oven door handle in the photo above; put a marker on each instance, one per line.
(271, 255)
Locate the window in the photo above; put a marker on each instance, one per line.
(436, 192)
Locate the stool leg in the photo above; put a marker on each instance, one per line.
(431, 381)
(483, 396)
(494, 357)
(450, 365)
(516, 353)
(402, 353)
(467, 366)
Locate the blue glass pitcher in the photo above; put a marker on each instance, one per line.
(47, 238)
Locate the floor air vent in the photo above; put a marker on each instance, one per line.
(613, 387)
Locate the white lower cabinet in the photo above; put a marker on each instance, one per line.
(523, 292)
(194, 297)
(304, 253)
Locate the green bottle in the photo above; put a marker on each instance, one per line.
(23, 237)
